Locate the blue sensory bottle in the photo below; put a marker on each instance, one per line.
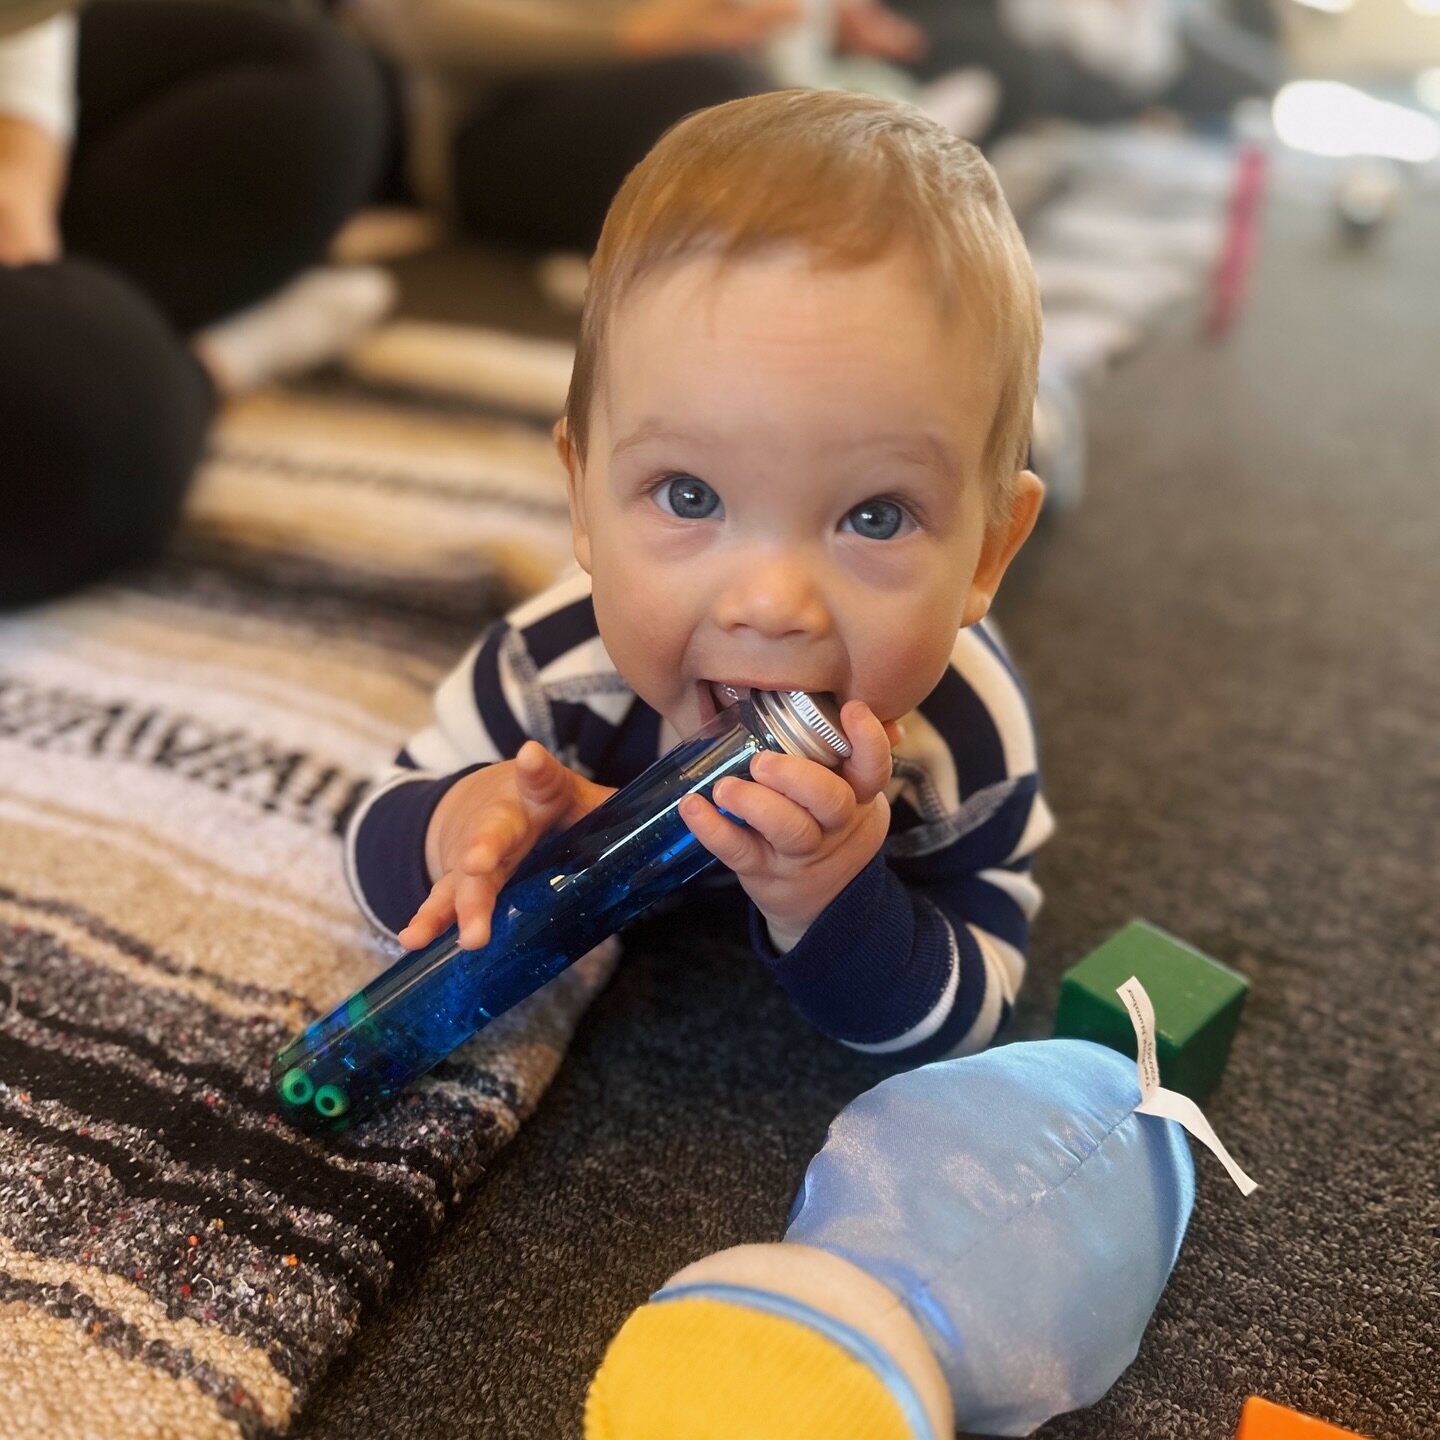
(568, 895)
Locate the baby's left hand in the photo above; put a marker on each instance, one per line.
(809, 831)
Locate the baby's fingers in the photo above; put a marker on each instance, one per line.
(868, 768)
(434, 916)
(553, 793)
(543, 782)
(474, 907)
(821, 793)
(789, 827)
(500, 830)
(731, 844)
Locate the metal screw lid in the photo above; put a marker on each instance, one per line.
(807, 725)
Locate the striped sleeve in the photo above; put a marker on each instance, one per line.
(922, 955)
(484, 710)
(541, 673)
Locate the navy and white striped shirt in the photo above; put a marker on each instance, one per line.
(922, 953)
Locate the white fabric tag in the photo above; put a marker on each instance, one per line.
(1168, 1104)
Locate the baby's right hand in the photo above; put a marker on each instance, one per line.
(483, 828)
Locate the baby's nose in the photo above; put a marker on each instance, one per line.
(776, 596)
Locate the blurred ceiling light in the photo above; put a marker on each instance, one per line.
(1327, 118)
(1425, 7)
(1427, 88)
(1335, 7)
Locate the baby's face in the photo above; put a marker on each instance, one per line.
(783, 485)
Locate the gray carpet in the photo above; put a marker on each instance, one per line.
(1237, 675)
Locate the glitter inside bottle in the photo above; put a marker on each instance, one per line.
(571, 892)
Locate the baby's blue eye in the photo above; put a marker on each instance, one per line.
(876, 519)
(687, 498)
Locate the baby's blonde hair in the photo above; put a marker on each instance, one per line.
(852, 178)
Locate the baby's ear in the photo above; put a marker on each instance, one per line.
(579, 530)
(563, 448)
(1002, 543)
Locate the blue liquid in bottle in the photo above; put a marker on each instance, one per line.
(569, 894)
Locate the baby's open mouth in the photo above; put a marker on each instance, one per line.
(725, 695)
(718, 695)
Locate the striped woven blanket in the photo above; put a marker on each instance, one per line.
(178, 753)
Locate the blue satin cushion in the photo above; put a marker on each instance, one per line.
(1020, 1209)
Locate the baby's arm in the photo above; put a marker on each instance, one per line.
(385, 838)
(922, 958)
(485, 711)
(923, 951)
(918, 957)
(807, 830)
(482, 828)
(443, 829)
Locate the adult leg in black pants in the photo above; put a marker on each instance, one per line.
(102, 415)
(220, 146)
(540, 160)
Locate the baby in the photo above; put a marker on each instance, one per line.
(795, 439)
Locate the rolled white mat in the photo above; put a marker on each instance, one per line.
(492, 367)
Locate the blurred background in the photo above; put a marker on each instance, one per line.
(274, 206)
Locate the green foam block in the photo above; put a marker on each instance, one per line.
(1197, 1004)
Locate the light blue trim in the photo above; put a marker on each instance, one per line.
(858, 1346)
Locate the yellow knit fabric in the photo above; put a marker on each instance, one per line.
(701, 1369)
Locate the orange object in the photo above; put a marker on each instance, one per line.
(1263, 1420)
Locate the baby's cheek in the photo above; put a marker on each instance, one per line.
(893, 679)
(643, 634)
